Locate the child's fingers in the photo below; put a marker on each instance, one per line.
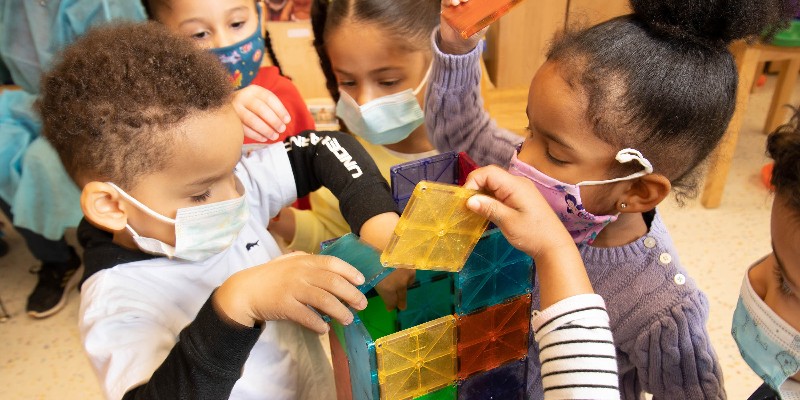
(326, 303)
(265, 109)
(389, 299)
(253, 134)
(275, 104)
(402, 297)
(338, 286)
(255, 123)
(340, 267)
(305, 316)
(490, 208)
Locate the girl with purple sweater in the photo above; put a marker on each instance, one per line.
(619, 115)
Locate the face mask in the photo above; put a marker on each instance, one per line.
(565, 199)
(243, 59)
(200, 232)
(769, 345)
(385, 120)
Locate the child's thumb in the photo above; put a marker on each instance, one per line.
(488, 207)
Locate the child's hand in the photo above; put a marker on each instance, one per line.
(518, 209)
(394, 288)
(262, 113)
(451, 41)
(283, 288)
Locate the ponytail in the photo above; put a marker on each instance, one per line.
(319, 17)
(271, 52)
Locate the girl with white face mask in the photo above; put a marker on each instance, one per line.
(766, 323)
(376, 56)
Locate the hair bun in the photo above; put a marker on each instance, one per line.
(714, 22)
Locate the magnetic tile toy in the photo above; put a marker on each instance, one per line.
(362, 359)
(361, 256)
(404, 177)
(426, 302)
(469, 18)
(377, 319)
(436, 231)
(506, 382)
(341, 367)
(465, 166)
(493, 273)
(445, 393)
(418, 360)
(493, 336)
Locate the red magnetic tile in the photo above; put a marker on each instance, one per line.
(493, 336)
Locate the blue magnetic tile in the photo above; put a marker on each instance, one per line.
(494, 272)
(441, 168)
(425, 276)
(363, 361)
(426, 302)
(362, 256)
(505, 382)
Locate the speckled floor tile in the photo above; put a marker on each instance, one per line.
(43, 359)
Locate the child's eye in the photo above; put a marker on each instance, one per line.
(201, 198)
(347, 83)
(237, 25)
(553, 159)
(782, 284)
(389, 83)
(200, 35)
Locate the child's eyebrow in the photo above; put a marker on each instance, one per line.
(782, 268)
(552, 137)
(207, 180)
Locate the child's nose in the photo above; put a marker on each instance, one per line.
(223, 39)
(365, 95)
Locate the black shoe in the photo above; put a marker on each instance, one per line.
(56, 280)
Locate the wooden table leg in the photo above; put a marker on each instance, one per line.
(746, 62)
(783, 94)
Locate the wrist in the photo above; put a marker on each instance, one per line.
(229, 301)
(454, 47)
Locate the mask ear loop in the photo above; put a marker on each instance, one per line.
(625, 156)
(141, 206)
(424, 80)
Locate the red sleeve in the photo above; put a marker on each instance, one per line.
(270, 79)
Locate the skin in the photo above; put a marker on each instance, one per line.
(778, 282)
(378, 67)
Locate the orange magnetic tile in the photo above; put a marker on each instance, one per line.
(469, 18)
(493, 336)
(436, 231)
(417, 360)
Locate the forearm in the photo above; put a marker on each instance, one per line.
(455, 117)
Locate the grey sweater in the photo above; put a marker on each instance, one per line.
(658, 315)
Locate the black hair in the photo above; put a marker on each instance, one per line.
(783, 146)
(110, 105)
(148, 7)
(411, 22)
(662, 80)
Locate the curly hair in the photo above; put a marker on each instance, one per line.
(110, 106)
(783, 146)
(662, 80)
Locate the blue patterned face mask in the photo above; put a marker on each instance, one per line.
(769, 345)
(200, 231)
(243, 59)
(385, 120)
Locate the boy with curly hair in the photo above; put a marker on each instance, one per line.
(186, 294)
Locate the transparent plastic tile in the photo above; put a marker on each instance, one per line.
(341, 367)
(469, 18)
(445, 393)
(363, 361)
(436, 231)
(427, 301)
(418, 360)
(493, 336)
(493, 273)
(360, 255)
(378, 321)
(465, 166)
(506, 382)
(424, 276)
(404, 177)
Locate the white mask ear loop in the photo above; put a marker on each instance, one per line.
(141, 206)
(424, 80)
(626, 156)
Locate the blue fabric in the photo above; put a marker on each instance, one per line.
(32, 180)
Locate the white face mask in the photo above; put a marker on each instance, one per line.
(200, 232)
(385, 120)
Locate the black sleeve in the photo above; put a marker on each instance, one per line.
(338, 162)
(206, 361)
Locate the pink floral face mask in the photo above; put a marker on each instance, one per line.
(565, 198)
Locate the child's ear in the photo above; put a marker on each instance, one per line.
(101, 206)
(644, 194)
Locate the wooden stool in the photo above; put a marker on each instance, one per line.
(748, 58)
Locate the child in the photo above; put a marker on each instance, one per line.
(175, 217)
(619, 114)
(268, 104)
(766, 323)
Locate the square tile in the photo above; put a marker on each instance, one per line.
(404, 177)
(362, 360)
(465, 166)
(427, 301)
(436, 231)
(363, 257)
(506, 382)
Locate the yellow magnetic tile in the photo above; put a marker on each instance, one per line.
(417, 360)
(436, 231)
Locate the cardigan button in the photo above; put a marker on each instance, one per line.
(680, 279)
(649, 242)
(665, 258)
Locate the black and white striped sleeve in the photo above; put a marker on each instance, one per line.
(576, 349)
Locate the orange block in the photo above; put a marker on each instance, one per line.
(469, 18)
(493, 336)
